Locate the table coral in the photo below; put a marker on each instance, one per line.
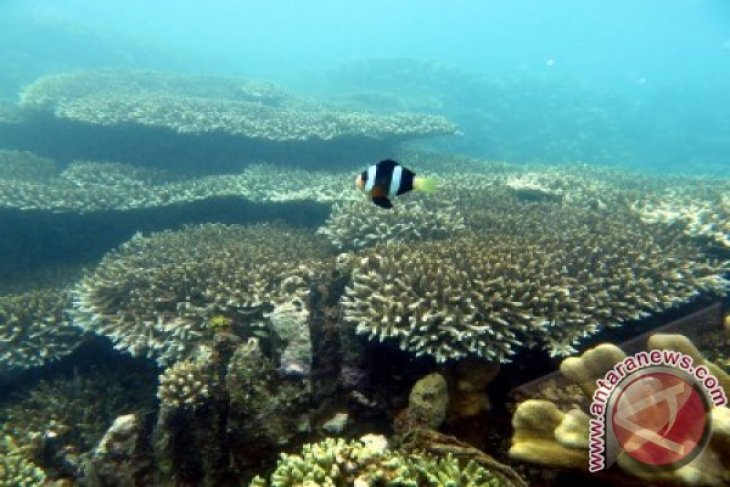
(546, 280)
(194, 104)
(155, 294)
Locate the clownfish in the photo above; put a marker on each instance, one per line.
(387, 178)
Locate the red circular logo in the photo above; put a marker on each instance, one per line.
(660, 419)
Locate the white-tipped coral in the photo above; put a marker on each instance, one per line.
(702, 210)
(155, 295)
(554, 277)
(358, 224)
(28, 182)
(184, 385)
(35, 328)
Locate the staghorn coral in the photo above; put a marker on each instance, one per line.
(336, 462)
(532, 188)
(557, 276)
(35, 328)
(155, 294)
(358, 224)
(15, 469)
(190, 104)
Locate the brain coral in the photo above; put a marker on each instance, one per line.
(155, 294)
(487, 292)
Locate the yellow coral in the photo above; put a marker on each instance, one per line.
(219, 323)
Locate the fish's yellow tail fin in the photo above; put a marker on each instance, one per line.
(427, 185)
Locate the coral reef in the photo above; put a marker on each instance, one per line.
(34, 327)
(701, 209)
(185, 384)
(467, 392)
(265, 408)
(368, 461)
(356, 224)
(509, 284)
(119, 458)
(428, 401)
(189, 104)
(25, 166)
(535, 439)
(15, 469)
(290, 323)
(62, 418)
(28, 182)
(155, 294)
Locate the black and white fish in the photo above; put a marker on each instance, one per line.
(387, 179)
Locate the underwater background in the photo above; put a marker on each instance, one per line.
(193, 291)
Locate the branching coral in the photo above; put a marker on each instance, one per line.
(34, 327)
(15, 469)
(702, 212)
(358, 224)
(556, 277)
(87, 186)
(155, 294)
(185, 385)
(189, 104)
(338, 463)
